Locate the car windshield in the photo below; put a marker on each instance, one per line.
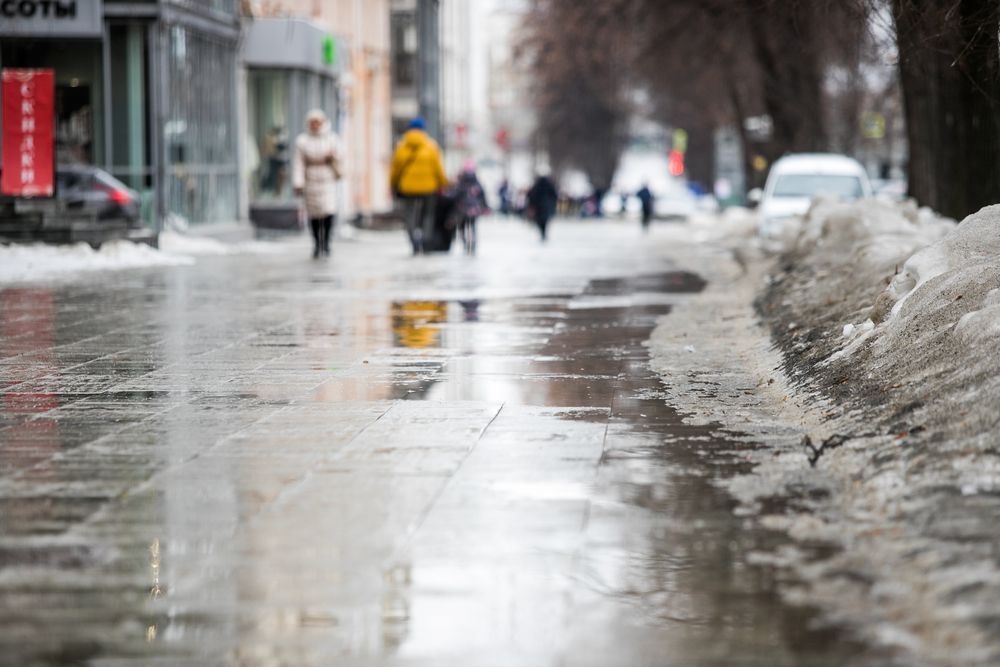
(810, 185)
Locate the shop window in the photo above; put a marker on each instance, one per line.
(202, 181)
(78, 92)
(278, 101)
(271, 135)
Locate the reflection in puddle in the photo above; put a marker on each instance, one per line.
(660, 571)
(414, 323)
(270, 500)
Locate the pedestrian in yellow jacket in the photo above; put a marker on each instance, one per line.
(416, 176)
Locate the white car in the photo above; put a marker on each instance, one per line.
(796, 179)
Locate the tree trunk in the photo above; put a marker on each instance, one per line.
(979, 65)
(746, 148)
(950, 75)
(700, 156)
(785, 49)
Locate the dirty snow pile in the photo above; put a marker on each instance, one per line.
(39, 261)
(885, 307)
(889, 317)
(734, 222)
(871, 409)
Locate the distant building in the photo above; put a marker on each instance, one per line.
(511, 110)
(291, 65)
(363, 107)
(416, 65)
(458, 128)
(405, 42)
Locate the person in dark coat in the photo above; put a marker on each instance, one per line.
(542, 200)
(645, 197)
(504, 194)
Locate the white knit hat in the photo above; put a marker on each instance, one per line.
(316, 114)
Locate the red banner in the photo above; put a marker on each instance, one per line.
(28, 165)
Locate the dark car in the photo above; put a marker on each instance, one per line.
(92, 190)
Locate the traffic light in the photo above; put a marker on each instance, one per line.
(680, 145)
(676, 163)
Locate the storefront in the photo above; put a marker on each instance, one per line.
(122, 64)
(67, 37)
(292, 66)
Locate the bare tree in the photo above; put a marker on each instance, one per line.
(578, 59)
(720, 61)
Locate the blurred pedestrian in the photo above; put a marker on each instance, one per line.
(645, 197)
(504, 194)
(315, 173)
(542, 200)
(470, 203)
(416, 176)
(274, 150)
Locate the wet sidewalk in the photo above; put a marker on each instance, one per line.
(377, 460)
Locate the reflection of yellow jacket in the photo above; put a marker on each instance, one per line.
(414, 323)
(416, 165)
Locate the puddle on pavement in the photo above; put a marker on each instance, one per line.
(662, 572)
(532, 501)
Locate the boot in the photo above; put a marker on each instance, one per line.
(316, 226)
(327, 229)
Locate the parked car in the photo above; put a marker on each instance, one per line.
(796, 179)
(90, 189)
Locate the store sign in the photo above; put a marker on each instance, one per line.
(294, 44)
(28, 132)
(55, 18)
(329, 51)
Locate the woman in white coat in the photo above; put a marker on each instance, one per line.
(315, 172)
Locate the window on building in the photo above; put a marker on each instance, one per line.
(271, 134)
(79, 98)
(202, 182)
(404, 49)
(278, 100)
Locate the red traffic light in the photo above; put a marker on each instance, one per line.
(676, 163)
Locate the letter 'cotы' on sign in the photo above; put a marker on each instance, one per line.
(38, 8)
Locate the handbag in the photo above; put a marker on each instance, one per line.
(335, 166)
(301, 216)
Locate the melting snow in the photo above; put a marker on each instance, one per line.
(38, 261)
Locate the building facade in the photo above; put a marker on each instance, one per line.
(364, 90)
(512, 118)
(145, 89)
(458, 127)
(416, 65)
(291, 66)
